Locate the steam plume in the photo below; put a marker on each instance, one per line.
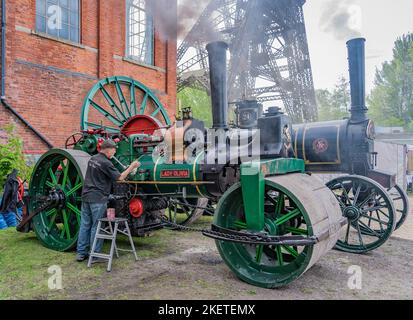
(342, 19)
(171, 24)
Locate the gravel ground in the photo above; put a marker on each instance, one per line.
(187, 266)
(194, 270)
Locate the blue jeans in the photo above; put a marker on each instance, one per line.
(91, 213)
(7, 220)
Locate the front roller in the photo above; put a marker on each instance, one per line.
(294, 205)
(56, 186)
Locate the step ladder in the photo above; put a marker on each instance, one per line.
(110, 233)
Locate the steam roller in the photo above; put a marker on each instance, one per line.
(293, 205)
(273, 219)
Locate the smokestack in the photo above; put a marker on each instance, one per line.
(217, 53)
(357, 69)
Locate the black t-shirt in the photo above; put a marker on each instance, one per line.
(100, 175)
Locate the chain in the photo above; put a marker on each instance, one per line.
(247, 238)
(206, 231)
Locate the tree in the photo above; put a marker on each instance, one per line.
(391, 100)
(12, 157)
(200, 103)
(332, 105)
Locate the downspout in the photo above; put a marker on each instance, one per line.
(3, 79)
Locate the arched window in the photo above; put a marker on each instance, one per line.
(140, 32)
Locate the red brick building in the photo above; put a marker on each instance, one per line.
(48, 70)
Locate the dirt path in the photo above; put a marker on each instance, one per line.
(187, 266)
(194, 269)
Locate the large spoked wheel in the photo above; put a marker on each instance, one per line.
(401, 204)
(117, 103)
(291, 206)
(187, 211)
(369, 211)
(60, 172)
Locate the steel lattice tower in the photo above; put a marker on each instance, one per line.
(269, 53)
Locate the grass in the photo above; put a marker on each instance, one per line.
(24, 264)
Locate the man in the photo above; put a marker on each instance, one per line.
(12, 202)
(100, 175)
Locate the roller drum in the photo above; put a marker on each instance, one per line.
(303, 205)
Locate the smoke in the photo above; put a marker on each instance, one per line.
(342, 18)
(171, 24)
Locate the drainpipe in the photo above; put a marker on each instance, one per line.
(3, 48)
(3, 79)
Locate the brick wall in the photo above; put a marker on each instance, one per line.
(47, 80)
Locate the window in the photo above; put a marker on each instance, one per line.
(140, 32)
(59, 18)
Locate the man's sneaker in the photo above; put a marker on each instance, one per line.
(99, 260)
(80, 258)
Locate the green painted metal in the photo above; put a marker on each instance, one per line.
(282, 166)
(259, 265)
(117, 109)
(88, 145)
(63, 170)
(253, 185)
(369, 210)
(152, 171)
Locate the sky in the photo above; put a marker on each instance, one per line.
(379, 21)
(330, 23)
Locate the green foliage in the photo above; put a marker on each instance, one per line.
(391, 101)
(12, 157)
(200, 103)
(332, 105)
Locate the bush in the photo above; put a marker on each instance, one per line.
(12, 157)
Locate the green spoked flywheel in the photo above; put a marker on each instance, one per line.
(369, 210)
(113, 102)
(295, 204)
(58, 172)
